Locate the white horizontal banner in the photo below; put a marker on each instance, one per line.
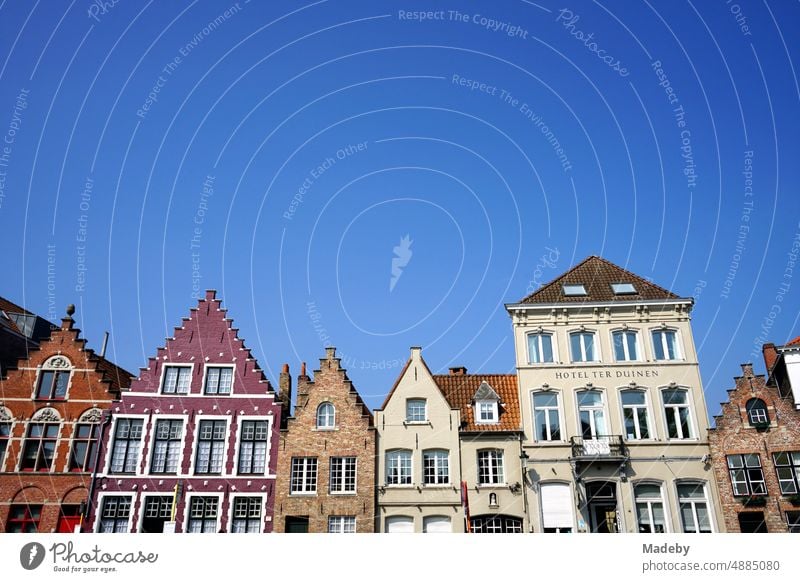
(400, 557)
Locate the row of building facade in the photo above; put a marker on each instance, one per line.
(602, 428)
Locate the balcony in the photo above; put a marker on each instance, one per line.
(601, 448)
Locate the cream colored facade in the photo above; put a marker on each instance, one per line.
(601, 458)
(416, 506)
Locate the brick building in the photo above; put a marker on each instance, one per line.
(755, 447)
(326, 458)
(191, 446)
(51, 403)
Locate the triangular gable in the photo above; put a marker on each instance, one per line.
(485, 392)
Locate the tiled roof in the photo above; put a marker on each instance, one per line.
(460, 389)
(596, 275)
(794, 342)
(119, 377)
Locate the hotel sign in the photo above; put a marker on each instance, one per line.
(600, 374)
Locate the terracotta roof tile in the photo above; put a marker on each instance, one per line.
(597, 274)
(794, 342)
(459, 389)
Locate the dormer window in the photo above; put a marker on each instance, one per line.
(757, 412)
(623, 288)
(574, 290)
(486, 412)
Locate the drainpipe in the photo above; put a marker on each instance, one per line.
(100, 440)
(523, 458)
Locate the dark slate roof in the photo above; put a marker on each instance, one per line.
(597, 274)
(460, 391)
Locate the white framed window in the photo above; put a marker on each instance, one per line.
(39, 447)
(490, 467)
(399, 524)
(793, 521)
(540, 348)
(635, 414)
(253, 445)
(246, 514)
(343, 475)
(787, 466)
(574, 290)
(342, 524)
(53, 379)
(326, 415)
(167, 445)
(211, 435)
(649, 501)
(626, 345)
(486, 412)
(557, 507)
(176, 379)
(747, 477)
(203, 513)
(495, 524)
(115, 513)
(623, 289)
(665, 344)
(678, 413)
(219, 380)
(757, 412)
(695, 516)
(436, 524)
(591, 414)
(398, 467)
(416, 410)
(435, 467)
(546, 416)
(583, 347)
(127, 444)
(5, 438)
(304, 475)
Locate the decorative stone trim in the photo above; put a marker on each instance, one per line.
(46, 415)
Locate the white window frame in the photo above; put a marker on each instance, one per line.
(748, 482)
(238, 446)
(595, 346)
(398, 452)
(637, 342)
(559, 412)
(231, 504)
(206, 367)
(304, 489)
(112, 439)
(424, 409)
(792, 466)
(437, 461)
(187, 509)
(196, 445)
(662, 499)
(679, 353)
(651, 429)
(48, 366)
(162, 380)
(343, 490)
(553, 347)
(329, 417)
(666, 410)
(498, 478)
(493, 410)
(706, 499)
(603, 408)
(151, 441)
(100, 503)
(338, 523)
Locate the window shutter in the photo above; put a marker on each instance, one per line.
(556, 505)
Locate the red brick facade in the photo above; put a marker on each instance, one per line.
(735, 434)
(349, 434)
(45, 482)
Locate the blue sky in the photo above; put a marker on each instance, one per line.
(280, 152)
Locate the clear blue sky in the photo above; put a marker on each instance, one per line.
(150, 143)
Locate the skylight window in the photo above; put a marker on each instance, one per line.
(623, 288)
(577, 290)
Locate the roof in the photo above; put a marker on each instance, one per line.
(597, 274)
(119, 377)
(794, 342)
(460, 391)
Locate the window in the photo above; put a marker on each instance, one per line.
(490, 467)
(793, 521)
(40, 447)
(253, 447)
(218, 380)
(752, 522)
(84, 447)
(545, 416)
(398, 468)
(246, 515)
(52, 384)
(176, 379)
(400, 524)
(757, 412)
(747, 478)
(167, 441)
(415, 410)
(557, 507)
(326, 415)
(634, 413)
(304, 475)
(157, 511)
(787, 466)
(115, 514)
(540, 348)
(23, 518)
(574, 290)
(495, 524)
(436, 524)
(592, 414)
(665, 344)
(203, 515)
(486, 412)
(694, 508)
(5, 435)
(582, 346)
(649, 508)
(343, 475)
(623, 288)
(676, 407)
(210, 447)
(435, 467)
(127, 441)
(625, 349)
(342, 524)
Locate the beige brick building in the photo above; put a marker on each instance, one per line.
(326, 458)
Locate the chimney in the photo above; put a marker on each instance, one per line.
(67, 322)
(770, 356)
(303, 386)
(285, 393)
(458, 371)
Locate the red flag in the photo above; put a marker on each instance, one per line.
(465, 503)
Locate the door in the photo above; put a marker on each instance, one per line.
(602, 506)
(297, 524)
(400, 524)
(69, 518)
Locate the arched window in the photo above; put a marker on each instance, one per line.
(649, 508)
(540, 348)
(757, 411)
(591, 412)
(326, 415)
(54, 379)
(634, 414)
(582, 346)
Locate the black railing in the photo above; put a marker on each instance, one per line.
(599, 447)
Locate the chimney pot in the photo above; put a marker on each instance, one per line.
(458, 371)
